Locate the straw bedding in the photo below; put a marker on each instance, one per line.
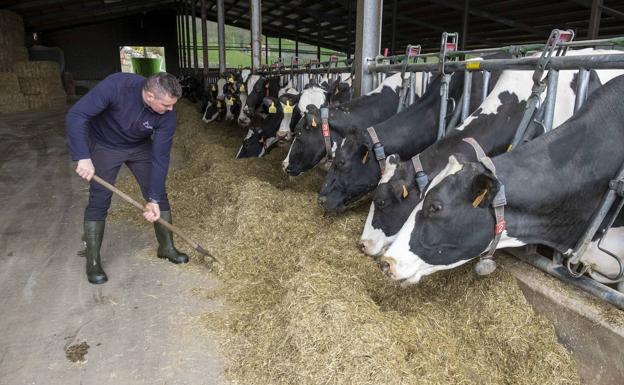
(303, 306)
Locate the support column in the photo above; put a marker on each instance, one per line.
(256, 34)
(179, 36)
(594, 19)
(266, 50)
(394, 17)
(349, 27)
(464, 35)
(367, 42)
(279, 47)
(188, 35)
(221, 34)
(194, 31)
(297, 46)
(204, 41)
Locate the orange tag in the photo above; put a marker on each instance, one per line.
(405, 193)
(479, 199)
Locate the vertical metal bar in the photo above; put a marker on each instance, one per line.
(424, 83)
(194, 30)
(349, 27)
(486, 85)
(204, 42)
(256, 34)
(178, 35)
(266, 49)
(297, 46)
(551, 99)
(594, 19)
(367, 42)
(464, 35)
(465, 108)
(318, 44)
(188, 35)
(221, 34)
(582, 82)
(279, 47)
(394, 17)
(412, 94)
(443, 106)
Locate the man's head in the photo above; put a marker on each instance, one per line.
(161, 91)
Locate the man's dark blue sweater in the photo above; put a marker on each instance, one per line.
(114, 115)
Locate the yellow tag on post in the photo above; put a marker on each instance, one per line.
(272, 108)
(473, 65)
(288, 109)
(479, 199)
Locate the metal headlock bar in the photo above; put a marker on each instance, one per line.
(449, 44)
(411, 51)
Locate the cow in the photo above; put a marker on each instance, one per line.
(339, 92)
(355, 171)
(257, 87)
(279, 112)
(213, 105)
(549, 188)
(493, 125)
(308, 148)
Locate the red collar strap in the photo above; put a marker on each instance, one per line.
(486, 264)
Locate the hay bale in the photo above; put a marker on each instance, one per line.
(11, 29)
(40, 85)
(48, 100)
(36, 69)
(8, 83)
(303, 306)
(14, 102)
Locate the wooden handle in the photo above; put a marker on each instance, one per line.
(166, 224)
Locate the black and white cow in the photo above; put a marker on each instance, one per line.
(279, 111)
(308, 148)
(258, 87)
(355, 171)
(339, 92)
(213, 106)
(493, 125)
(553, 185)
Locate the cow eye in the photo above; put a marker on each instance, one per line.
(435, 207)
(340, 163)
(380, 203)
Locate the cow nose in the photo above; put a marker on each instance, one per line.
(322, 201)
(386, 265)
(362, 246)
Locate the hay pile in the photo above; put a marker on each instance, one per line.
(303, 306)
(11, 99)
(40, 82)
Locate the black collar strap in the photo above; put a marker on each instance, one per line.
(378, 149)
(486, 264)
(421, 178)
(326, 134)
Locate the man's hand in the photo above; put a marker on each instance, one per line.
(85, 169)
(151, 212)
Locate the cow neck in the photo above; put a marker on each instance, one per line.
(486, 264)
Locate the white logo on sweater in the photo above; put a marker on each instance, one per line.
(147, 125)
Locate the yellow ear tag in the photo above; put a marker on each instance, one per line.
(230, 101)
(479, 199)
(219, 104)
(510, 147)
(242, 88)
(214, 88)
(288, 109)
(313, 122)
(337, 91)
(405, 193)
(272, 109)
(365, 158)
(231, 79)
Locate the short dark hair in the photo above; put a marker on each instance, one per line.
(163, 83)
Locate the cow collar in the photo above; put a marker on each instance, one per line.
(378, 149)
(486, 264)
(326, 135)
(421, 177)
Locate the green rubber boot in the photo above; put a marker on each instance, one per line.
(93, 233)
(166, 249)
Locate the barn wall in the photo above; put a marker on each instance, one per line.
(92, 51)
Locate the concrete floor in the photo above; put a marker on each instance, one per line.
(141, 326)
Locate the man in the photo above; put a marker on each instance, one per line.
(125, 119)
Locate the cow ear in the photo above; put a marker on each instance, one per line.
(399, 190)
(484, 189)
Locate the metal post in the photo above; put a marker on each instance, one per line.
(266, 49)
(221, 34)
(279, 47)
(412, 94)
(551, 99)
(297, 46)
(394, 17)
(486, 85)
(367, 42)
(204, 42)
(179, 34)
(443, 105)
(582, 82)
(188, 35)
(256, 34)
(464, 34)
(424, 82)
(349, 27)
(194, 29)
(465, 109)
(594, 19)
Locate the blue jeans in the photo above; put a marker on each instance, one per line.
(107, 162)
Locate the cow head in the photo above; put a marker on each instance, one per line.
(340, 92)
(393, 200)
(256, 90)
(232, 105)
(288, 103)
(452, 225)
(259, 140)
(353, 173)
(308, 148)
